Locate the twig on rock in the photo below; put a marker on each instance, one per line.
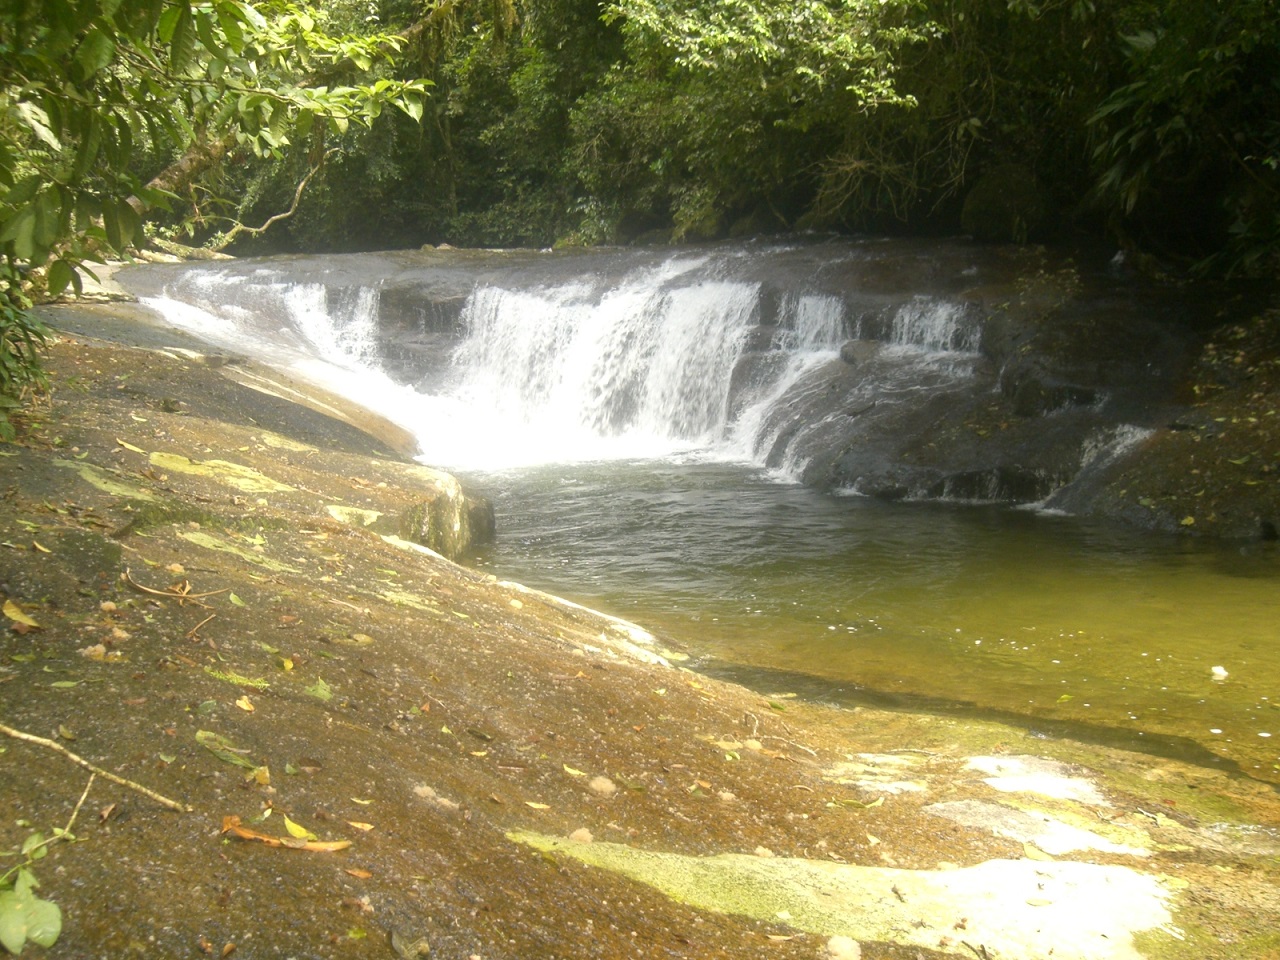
(75, 758)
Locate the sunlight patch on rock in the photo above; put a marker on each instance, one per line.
(1024, 908)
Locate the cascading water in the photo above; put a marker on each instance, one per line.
(683, 353)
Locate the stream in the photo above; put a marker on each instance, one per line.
(642, 421)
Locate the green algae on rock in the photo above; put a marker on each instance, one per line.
(1030, 909)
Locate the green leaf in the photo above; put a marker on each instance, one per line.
(111, 223)
(38, 121)
(24, 916)
(90, 144)
(321, 690)
(223, 749)
(208, 39)
(61, 274)
(168, 21)
(97, 49)
(182, 47)
(33, 847)
(21, 230)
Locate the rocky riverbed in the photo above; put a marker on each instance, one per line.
(369, 750)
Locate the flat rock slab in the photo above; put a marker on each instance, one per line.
(1012, 908)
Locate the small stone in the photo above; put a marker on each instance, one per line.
(603, 786)
(841, 947)
(763, 852)
(753, 745)
(581, 835)
(106, 606)
(724, 796)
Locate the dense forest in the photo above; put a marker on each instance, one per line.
(358, 124)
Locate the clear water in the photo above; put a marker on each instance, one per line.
(1059, 623)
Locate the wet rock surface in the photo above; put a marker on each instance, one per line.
(222, 626)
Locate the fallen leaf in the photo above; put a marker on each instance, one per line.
(408, 949)
(65, 733)
(320, 690)
(40, 548)
(1032, 852)
(129, 446)
(233, 826)
(360, 826)
(359, 874)
(224, 749)
(14, 613)
(297, 830)
(236, 600)
(572, 772)
(363, 803)
(245, 704)
(537, 806)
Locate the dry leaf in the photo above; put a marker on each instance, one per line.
(1032, 852)
(572, 772)
(40, 548)
(245, 704)
(358, 825)
(537, 806)
(360, 874)
(297, 830)
(233, 826)
(129, 446)
(14, 613)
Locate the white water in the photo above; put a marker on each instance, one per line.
(586, 370)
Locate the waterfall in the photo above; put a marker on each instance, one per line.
(934, 325)
(645, 361)
(714, 353)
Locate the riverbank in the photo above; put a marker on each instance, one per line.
(199, 607)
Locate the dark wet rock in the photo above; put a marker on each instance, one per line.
(854, 352)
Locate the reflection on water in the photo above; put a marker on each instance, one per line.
(1013, 612)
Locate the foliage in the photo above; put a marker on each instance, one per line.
(87, 88)
(23, 915)
(722, 108)
(21, 337)
(1188, 147)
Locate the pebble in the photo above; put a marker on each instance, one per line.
(603, 786)
(843, 948)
